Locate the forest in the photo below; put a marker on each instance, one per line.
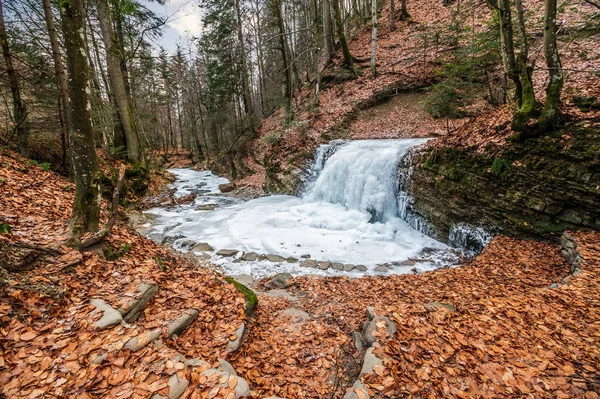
(288, 199)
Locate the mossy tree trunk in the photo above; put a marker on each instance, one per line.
(348, 63)
(287, 70)
(392, 16)
(86, 208)
(550, 114)
(374, 39)
(19, 107)
(508, 51)
(404, 15)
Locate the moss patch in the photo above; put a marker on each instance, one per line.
(249, 295)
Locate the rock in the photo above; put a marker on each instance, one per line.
(357, 387)
(100, 358)
(275, 258)
(437, 305)
(358, 341)
(297, 315)
(204, 257)
(370, 337)
(291, 259)
(241, 387)
(245, 279)
(381, 269)
(281, 294)
(408, 262)
(177, 386)
(309, 263)
(348, 268)
(110, 317)
(202, 247)
(370, 311)
(139, 342)
(225, 366)
(250, 256)
(235, 344)
(324, 265)
(179, 325)
(282, 280)
(249, 295)
(337, 266)
(196, 363)
(207, 207)
(227, 187)
(370, 361)
(305, 256)
(554, 285)
(227, 252)
(134, 308)
(361, 268)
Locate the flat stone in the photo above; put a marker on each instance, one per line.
(245, 279)
(203, 247)
(361, 268)
(370, 337)
(297, 315)
(370, 361)
(381, 269)
(110, 315)
(275, 258)
(196, 363)
(139, 342)
(224, 365)
(305, 256)
(250, 256)
(309, 263)
(177, 386)
(235, 344)
(408, 262)
(291, 259)
(348, 267)
(324, 265)
(227, 252)
(134, 308)
(358, 387)
(188, 243)
(179, 325)
(337, 266)
(207, 207)
(241, 388)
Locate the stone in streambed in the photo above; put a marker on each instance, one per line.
(324, 265)
(188, 243)
(227, 187)
(381, 269)
(309, 263)
(348, 268)
(291, 259)
(361, 268)
(179, 325)
(207, 207)
(408, 262)
(337, 266)
(275, 258)
(305, 256)
(202, 247)
(227, 252)
(250, 256)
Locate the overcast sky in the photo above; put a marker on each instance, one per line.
(184, 21)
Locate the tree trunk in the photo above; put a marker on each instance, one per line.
(287, 84)
(374, 40)
(19, 108)
(246, 95)
(392, 16)
(340, 30)
(117, 83)
(59, 71)
(550, 114)
(328, 32)
(86, 208)
(508, 51)
(528, 102)
(404, 15)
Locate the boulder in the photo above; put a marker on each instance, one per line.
(245, 279)
(202, 247)
(377, 323)
(309, 263)
(133, 309)
(348, 267)
(281, 280)
(250, 256)
(110, 316)
(177, 386)
(139, 342)
(358, 391)
(241, 386)
(370, 361)
(337, 266)
(297, 315)
(188, 243)
(275, 258)
(235, 344)
(227, 252)
(224, 365)
(183, 322)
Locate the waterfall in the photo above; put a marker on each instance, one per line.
(361, 175)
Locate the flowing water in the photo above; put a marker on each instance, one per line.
(349, 213)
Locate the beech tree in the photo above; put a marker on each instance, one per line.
(550, 114)
(374, 39)
(86, 208)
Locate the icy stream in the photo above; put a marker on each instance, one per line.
(349, 213)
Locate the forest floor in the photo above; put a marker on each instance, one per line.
(493, 327)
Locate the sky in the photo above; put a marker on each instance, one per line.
(184, 21)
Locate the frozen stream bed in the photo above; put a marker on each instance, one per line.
(349, 215)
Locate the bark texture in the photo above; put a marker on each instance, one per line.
(348, 63)
(550, 114)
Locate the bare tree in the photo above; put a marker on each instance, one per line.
(374, 39)
(550, 114)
